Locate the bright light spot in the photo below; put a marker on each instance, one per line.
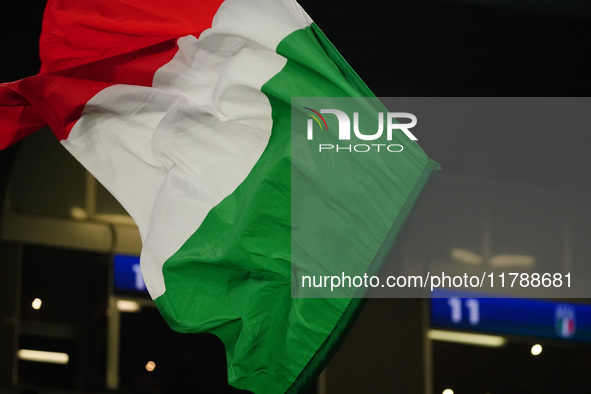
(512, 260)
(36, 304)
(128, 306)
(448, 391)
(466, 257)
(466, 338)
(43, 357)
(78, 213)
(536, 349)
(150, 366)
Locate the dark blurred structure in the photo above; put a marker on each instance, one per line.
(60, 229)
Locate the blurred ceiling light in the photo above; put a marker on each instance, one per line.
(466, 338)
(36, 304)
(448, 391)
(512, 260)
(78, 213)
(43, 356)
(536, 349)
(128, 306)
(465, 256)
(114, 218)
(150, 366)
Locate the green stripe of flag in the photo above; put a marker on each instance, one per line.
(274, 343)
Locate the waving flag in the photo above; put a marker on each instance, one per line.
(182, 110)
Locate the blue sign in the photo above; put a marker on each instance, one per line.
(127, 273)
(527, 317)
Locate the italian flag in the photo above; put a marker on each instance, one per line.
(182, 110)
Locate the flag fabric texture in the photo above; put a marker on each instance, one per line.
(182, 111)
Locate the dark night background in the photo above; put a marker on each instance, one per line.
(413, 48)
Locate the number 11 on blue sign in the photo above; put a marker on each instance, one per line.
(471, 305)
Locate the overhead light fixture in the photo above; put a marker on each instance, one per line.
(466, 338)
(36, 304)
(128, 306)
(466, 257)
(78, 213)
(512, 260)
(43, 356)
